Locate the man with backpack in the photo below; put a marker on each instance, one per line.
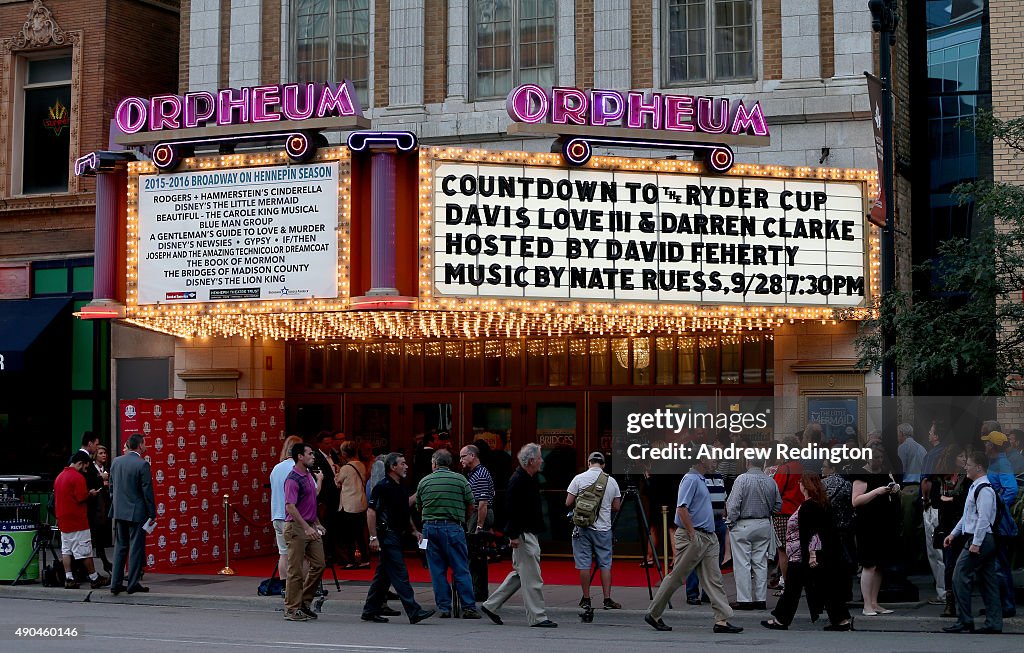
(593, 497)
(978, 559)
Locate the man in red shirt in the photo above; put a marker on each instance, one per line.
(70, 497)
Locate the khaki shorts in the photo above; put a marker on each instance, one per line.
(282, 546)
(77, 545)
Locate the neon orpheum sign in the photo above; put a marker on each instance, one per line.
(634, 118)
(258, 105)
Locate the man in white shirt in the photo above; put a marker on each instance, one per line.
(977, 561)
(593, 544)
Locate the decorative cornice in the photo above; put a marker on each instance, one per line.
(47, 202)
(40, 30)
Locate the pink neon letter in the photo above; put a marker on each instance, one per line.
(561, 111)
(336, 101)
(164, 111)
(290, 106)
(600, 113)
(193, 115)
(679, 113)
(264, 97)
(706, 115)
(637, 110)
(749, 122)
(131, 115)
(522, 99)
(228, 104)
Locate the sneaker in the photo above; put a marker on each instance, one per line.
(101, 581)
(71, 584)
(309, 613)
(295, 615)
(610, 604)
(470, 614)
(585, 603)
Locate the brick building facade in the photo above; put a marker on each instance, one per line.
(63, 66)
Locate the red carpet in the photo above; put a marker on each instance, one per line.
(557, 571)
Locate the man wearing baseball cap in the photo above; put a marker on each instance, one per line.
(1000, 475)
(592, 545)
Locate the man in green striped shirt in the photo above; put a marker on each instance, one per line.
(445, 500)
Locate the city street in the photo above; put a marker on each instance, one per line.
(153, 628)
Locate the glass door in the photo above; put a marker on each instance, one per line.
(555, 418)
(428, 420)
(309, 414)
(491, 422)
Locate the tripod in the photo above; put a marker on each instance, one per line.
(631, 495)
(41, 543)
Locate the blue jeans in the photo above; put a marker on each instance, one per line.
(692, 584)
(390, 572)
(446, 547)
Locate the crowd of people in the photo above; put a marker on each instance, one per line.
(815, 523)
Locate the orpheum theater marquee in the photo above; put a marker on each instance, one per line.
(281, 247)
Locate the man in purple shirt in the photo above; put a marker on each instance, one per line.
(304, 536)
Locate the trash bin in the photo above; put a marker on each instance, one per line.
(16, 539)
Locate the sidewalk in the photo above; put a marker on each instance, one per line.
(239, 593)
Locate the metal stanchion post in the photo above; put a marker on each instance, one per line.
(227, 570)
(664, 536)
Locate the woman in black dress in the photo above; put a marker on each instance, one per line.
(952, 495)
(815, 562)
(876, 500)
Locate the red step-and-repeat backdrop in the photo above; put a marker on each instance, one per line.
(199, 451)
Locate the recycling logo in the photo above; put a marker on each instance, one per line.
(6, 546)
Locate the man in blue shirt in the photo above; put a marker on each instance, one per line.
(1000, 475)
(977, 561)
(696, 548)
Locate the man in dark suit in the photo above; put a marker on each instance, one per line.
(326, 460)
(131, 486)
(95, 480)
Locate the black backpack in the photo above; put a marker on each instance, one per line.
(53, 574)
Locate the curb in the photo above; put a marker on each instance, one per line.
(901, 621)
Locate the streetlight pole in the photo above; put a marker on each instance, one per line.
(884, 20)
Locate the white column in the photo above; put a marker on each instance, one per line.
(800, 46)
(406, 87)
(245, 54)
(853, 38)
(204, 45)
(611, 44)
(459, 40)
(566, 43)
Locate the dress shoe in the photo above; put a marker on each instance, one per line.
(988, 631)
(491, 615)
(420, 616)
(547, 623)
(959, 627)
(771, 624)
(470, 614)
(137, 588)
(117, 589)
(445, 614)
(388, 612)
(692, 601)
(657, 624)
(727, 628)
(839, 628)
(374, 618)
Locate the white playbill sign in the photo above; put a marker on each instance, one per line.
(512, 231)
(241, 234)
